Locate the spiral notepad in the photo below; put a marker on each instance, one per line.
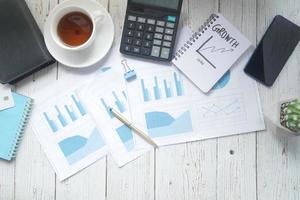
(210, 52)
(12, 125)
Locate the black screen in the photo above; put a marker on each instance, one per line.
(273, 51)
(171, 4)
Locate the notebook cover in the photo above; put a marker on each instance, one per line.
(206, 57)
(12, 122)
(22, 47)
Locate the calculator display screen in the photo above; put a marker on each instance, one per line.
(171, 4)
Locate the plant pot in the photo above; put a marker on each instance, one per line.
(280, 118)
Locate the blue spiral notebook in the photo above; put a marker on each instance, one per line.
(12, 125)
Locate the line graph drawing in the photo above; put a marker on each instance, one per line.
(213, 50)
(221, 112)
(223, 108)
(226, 109)
(198, 51)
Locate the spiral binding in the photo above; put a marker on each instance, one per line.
(196, 36)
(21, 129)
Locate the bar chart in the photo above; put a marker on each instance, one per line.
(114, 100)
(157, 88)
(63, 113)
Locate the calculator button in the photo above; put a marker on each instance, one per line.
(150, 28)
(132, 18)
(155, 51)
(168, 37)
(145, 51)
(137, 42)
(128, 40)
(139, 34)
(127, 48)
(149, 36)
(157, 42)
(160, 23)
(140, 27)
(141, 20)
(136, 49)
(130, 33)
(169, 31)
(158, 36)
(151, 21)
(170, 25)
(166, 44)
(171, 18)
(147, 44)
(165, 52)
(159, 29)
(131, 25)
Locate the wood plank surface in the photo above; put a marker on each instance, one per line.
(236, 174)
(89, 183)
(255, 166)
(34, 177)
(136, 179)
(188, 171)
(278, 155)
(7, 174)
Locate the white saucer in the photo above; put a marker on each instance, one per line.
(95, 52)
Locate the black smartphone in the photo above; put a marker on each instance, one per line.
(274, 49)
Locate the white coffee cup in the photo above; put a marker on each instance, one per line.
(96, 17)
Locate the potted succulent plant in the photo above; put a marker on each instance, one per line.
(290, 116)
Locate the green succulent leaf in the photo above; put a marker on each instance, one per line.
(290, 115)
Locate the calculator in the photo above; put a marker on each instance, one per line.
(150, 28)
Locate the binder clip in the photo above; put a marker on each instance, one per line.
(129, 73)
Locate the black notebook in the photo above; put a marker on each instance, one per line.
(22, 47)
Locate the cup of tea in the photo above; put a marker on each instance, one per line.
(74, 28)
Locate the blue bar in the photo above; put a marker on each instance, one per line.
(156, 89)
(118, 103)
(107, 108)
(51, 123)
(167, 90)
(169, 93)
(124, 94)
(178, 84)
(61, 118)
(145, 91)
(79, 106)
(71, 113)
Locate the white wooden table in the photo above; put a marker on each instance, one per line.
(261, 166)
